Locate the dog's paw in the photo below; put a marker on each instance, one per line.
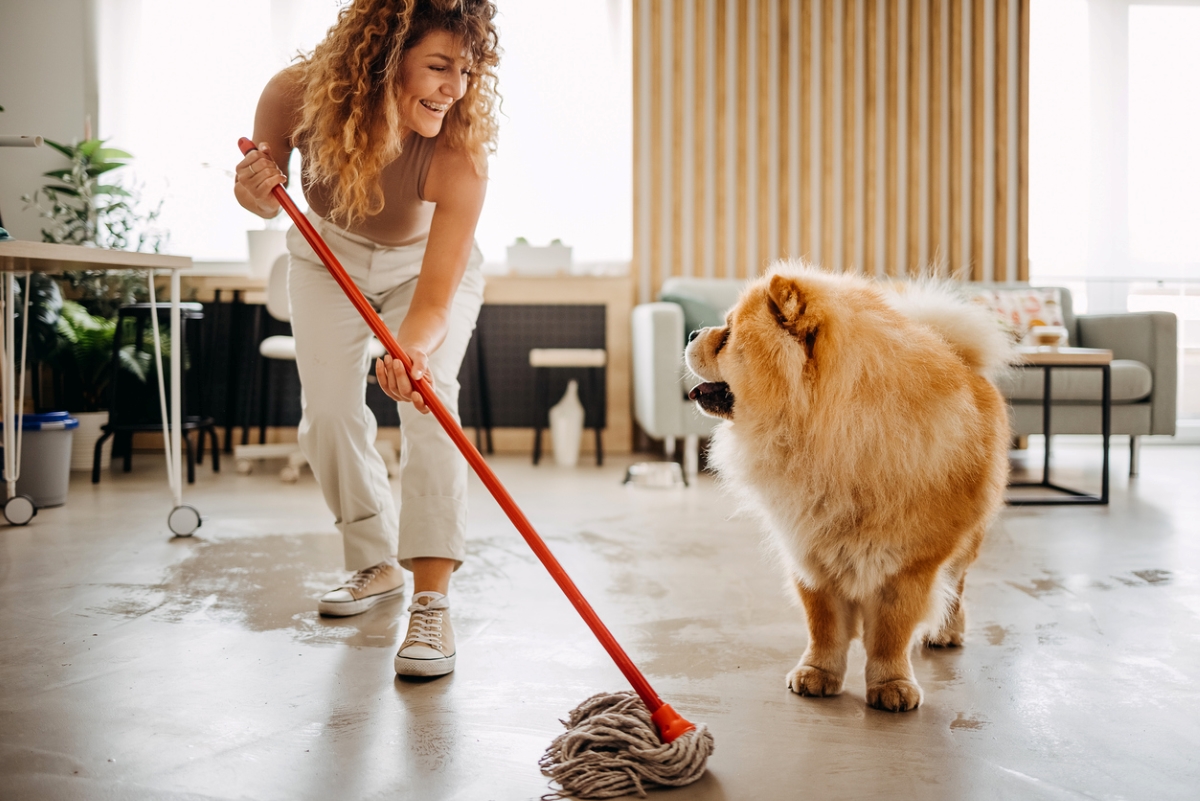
(898, 695)
(812, 681)
(944, 639)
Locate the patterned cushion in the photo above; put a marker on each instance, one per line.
(1022, 309)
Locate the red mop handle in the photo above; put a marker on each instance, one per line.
(670, 724)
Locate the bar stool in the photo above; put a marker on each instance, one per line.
(132, 409)
(543, 360)
(281, 348)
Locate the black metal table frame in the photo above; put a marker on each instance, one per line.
(1074, 497)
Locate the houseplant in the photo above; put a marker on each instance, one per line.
(84, 205)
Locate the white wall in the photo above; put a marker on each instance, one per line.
(47, 86)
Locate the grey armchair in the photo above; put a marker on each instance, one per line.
(1144, 379)
(660, 379)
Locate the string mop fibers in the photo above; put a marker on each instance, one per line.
(615, 744)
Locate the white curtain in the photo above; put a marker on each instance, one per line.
(1114, 151)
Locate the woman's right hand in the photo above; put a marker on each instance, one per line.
(254, 178)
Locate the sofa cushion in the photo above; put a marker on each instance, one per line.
(704, 300)
(1131, 382)
(1021, 308)
(696, 313)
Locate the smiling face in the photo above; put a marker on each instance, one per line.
(434, 76)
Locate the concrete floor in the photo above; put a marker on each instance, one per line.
(137, 666)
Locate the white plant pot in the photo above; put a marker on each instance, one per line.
(265, 247)
(566, 426)
(539, 259)
(83, 446)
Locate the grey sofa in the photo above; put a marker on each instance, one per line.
(1144, 379)
(1144, 376)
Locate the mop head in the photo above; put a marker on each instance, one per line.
(611, 749)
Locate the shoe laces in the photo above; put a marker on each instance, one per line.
(425, 625)
(363, 577)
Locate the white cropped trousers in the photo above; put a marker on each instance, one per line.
(337, 429)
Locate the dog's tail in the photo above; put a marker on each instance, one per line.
(971, 329)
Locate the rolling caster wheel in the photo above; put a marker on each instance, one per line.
(183, 521)
(245, 467)
(19, 510)
(289, 475)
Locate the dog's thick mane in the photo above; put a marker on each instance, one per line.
(970, 329)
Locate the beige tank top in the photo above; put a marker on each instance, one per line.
(406, 214)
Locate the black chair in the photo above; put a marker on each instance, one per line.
(134, 406)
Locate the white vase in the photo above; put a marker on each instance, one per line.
(265, 246)
(566, 426)
(83, 446)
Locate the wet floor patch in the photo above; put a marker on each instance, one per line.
(1155, 577)
(1040, 587)
(941, 665)
(701, 648)
(265, 583)
(272, 583)
(968, 723)
(996, 634)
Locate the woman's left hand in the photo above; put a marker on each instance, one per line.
(394, 379)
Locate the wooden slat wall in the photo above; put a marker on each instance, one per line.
(888, 137)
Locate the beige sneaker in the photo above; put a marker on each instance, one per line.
(428, 650)
(365, 588)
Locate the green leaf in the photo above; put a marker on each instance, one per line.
(135, 362)
(98, 169)
(61, 175)
(90, 147)
(69, 152)
(112, 189)
(110, 153)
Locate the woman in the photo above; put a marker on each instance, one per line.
(394, 115)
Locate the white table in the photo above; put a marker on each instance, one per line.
(42, 257)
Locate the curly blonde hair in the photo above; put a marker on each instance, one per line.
(350, 119)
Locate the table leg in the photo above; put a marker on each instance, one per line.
(7, 352)
(1046, 426)
(1106, 428)
(176, 391)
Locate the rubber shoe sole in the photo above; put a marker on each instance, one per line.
(347, 608)
(424, 667)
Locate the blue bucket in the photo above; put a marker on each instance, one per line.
(45, 457)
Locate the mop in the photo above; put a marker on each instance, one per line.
(615, 743)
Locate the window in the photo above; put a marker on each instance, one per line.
(1164, 137)
(1114, 185)
(179, 84)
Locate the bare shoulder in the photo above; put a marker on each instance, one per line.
(279, 105)
(453, 178)
(287, 85)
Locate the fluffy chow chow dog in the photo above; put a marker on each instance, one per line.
(861, 425)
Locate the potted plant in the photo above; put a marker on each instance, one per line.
(528, 259)
(84, 205)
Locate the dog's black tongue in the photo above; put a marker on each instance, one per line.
(706, 388)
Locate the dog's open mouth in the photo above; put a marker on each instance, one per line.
(714, 398)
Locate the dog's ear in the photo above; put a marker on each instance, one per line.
(787, 301)
(789, 304)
